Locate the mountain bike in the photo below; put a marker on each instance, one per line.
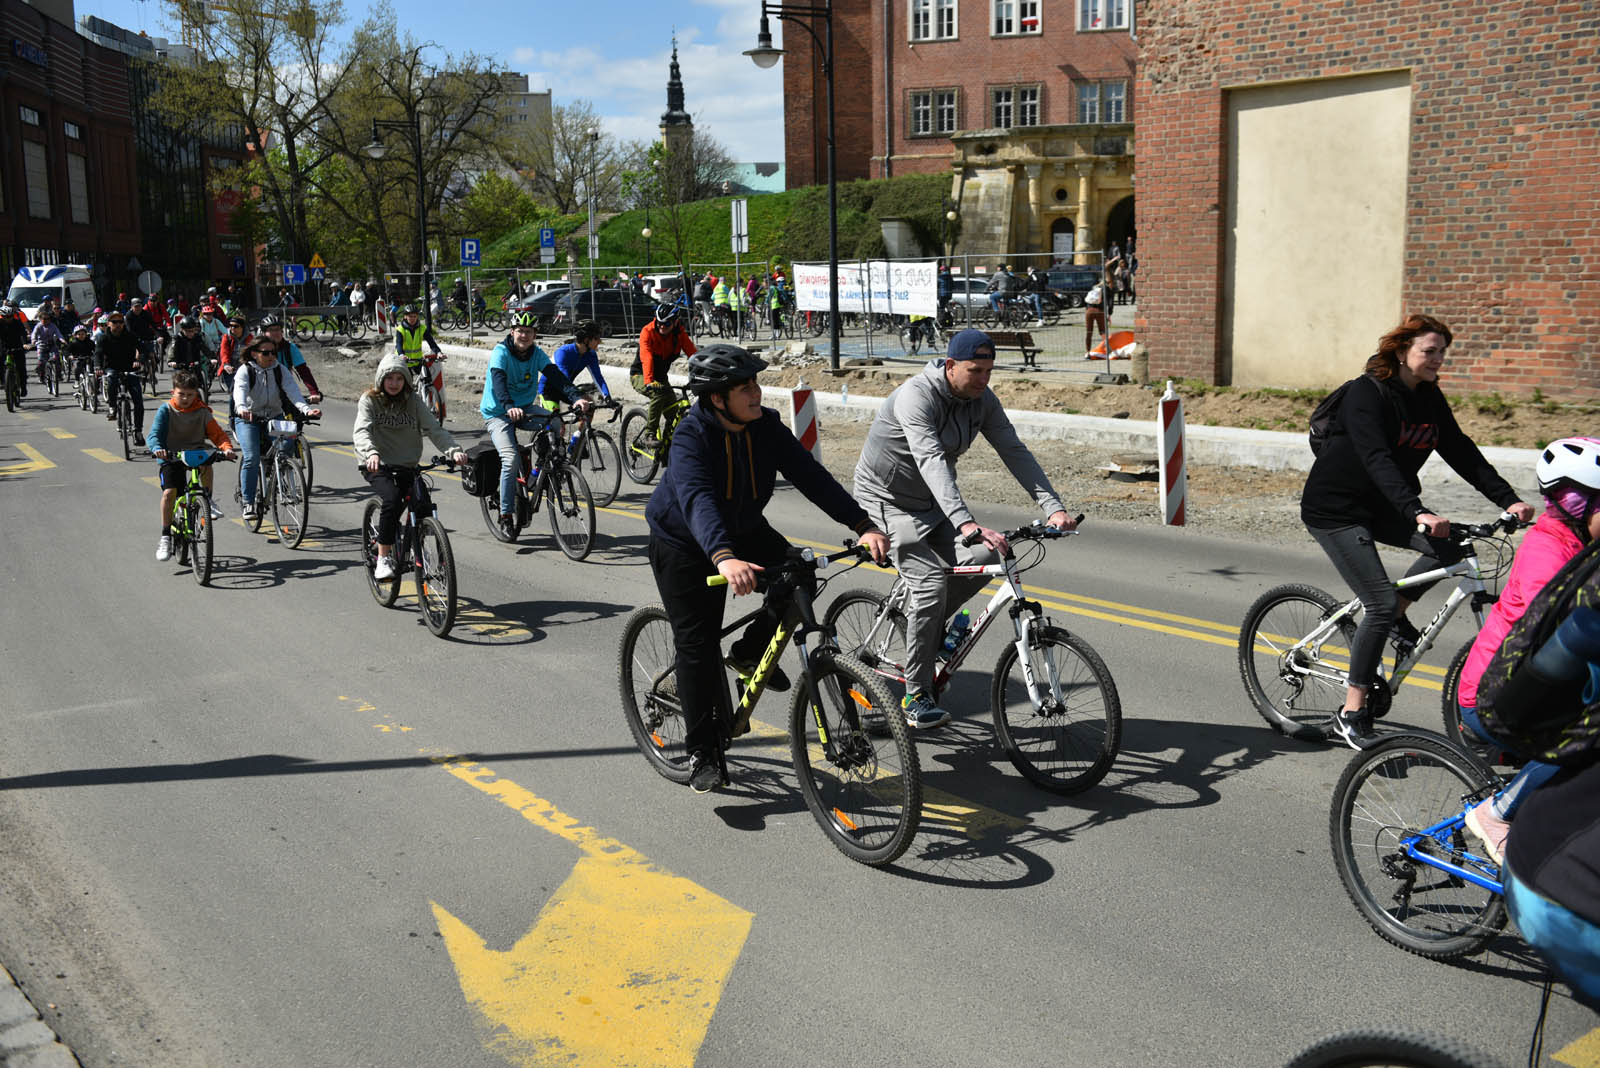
(13, 376)
(547, 477)
(281, 488)
(1056, 709)
(128, 385)
(1294, 644)
(86, 387)
(642, 457)
(595, 451)
(55, 371)
(914, 333)
(422, 548)
(331, 327)
(192, 531)
(1400, 843)
(857, 768)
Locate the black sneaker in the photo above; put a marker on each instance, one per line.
(1354, 728)
(1404, 636)
(777, 682)
(703, 774)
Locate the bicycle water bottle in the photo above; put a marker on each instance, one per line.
(958, 630)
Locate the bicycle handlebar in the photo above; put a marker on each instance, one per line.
(1505, 523)
(1035, 531)
(804, 560)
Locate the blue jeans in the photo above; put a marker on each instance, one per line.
(504, 436)
(252, 434)
(1568, 941)
(1534, 774)
(116, 380)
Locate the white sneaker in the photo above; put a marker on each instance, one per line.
(164, 548)
(383, 570)
(216, 513)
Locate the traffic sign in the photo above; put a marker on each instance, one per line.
(470, 253)
(547, 255)
(594, 246)
(238, 265)
(547, 237)
(741, 225)
(318, 274)
(150, 282)
(316, 261)
(294, 274)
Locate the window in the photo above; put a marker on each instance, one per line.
(1103, 14)
(73, 131)
(29, 116)
(933, 112)
(1002, 101)
(933, 20)
(1015, 16)
(36, 170)
(1088, 101)
(1114, 96)
(78, 188)
(1014, 105)
(1028, 105)
(1103, 101)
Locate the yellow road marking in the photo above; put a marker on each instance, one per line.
(154, 480)
(35, 461)
(1584, 1053)
(103, 456)
(58, 432)
(28, 416)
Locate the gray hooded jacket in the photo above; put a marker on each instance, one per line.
(394, 430)
(909, 460)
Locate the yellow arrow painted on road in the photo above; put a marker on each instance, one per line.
(35, 462)
(624, 967)
(1584, 1053)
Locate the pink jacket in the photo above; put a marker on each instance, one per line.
(1544, 549)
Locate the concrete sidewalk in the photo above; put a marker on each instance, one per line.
(26, 1041)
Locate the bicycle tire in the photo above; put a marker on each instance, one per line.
(1450, 706)
(638, 456)
(1069, 745)
(434, 400)
(202, 531)
(302, 452)
(1400, 785)
(82, 392)
(290, 505)
(647, 675)
(910, 339)
(152, 381)
(12, 389)
(323, 332)
(436, 577)
(600, 463)
(386, 590)
(356, 329)
(570, 505)
(125, 423)
(52, 377)
(867, 798)
(94, 398)
(849, 619)
(1289, 700)
(1399, 1047)
(490, 506)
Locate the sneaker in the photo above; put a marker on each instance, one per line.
(508, 525)
(164, 547)
(216, 513)
(1354, 728)
(250, 514)
(1489, 829)
(777, 682)
(1037, 322)
(1404, 636)
(383, 570)
(703, 774)
(921, 713)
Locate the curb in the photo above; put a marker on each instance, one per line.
(26, 1041)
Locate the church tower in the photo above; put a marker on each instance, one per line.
(676, 127)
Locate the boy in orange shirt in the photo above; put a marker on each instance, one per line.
(184, 422)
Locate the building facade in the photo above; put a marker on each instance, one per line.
(1016, 97)
(68, 192)
(1311, 173)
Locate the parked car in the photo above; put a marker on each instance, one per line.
(543, 305)
(1071, 281)
(618, 311)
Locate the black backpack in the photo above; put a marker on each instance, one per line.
(1558, 727)
(1325, 417)
(480, 475)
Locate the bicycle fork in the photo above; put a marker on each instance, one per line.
(1045, 695)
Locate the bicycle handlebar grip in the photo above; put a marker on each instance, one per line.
(716, 580)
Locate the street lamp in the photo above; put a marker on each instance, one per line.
(377, 150)
(950, 217)
(765, 56)
(645, 233)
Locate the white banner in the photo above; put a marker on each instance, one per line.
(907, 288)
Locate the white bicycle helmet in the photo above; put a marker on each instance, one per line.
(1571, 460)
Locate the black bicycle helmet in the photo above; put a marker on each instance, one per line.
(719, 367)
(588, 328)
(270, 321)
(524, 318)
(666, 315)
(411, 309)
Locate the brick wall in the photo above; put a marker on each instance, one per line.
(1503, 228)
(805, 98)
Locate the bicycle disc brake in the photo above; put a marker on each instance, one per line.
(1380, 698)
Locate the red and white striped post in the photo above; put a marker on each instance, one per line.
(803, 417)
(1174, 480)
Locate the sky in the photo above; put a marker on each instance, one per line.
(612, 53)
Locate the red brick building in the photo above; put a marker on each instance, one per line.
(1307, 173)
(909, 73)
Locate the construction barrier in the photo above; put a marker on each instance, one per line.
(803, 417)
(1174, 480)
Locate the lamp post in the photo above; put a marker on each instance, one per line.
(765, 57)
(594, 238)
(377, 150)
(950, 217)
(648, 191)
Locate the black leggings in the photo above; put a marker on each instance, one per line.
(1354, 552)
(391, 488)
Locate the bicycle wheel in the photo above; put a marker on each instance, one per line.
(125, 423)
(385, 591)
(490, 507)
(13, 389)
(1068, 743)
(1450, 706)
(436, 577)
(94, 397)
(1295, 688)
(201, 534)
(356, 329)
(323, 332)
(910, 338)
(52, 375)
(647, 664)
(850, 619)
(638, 454)
(1396, 789)
(1392, 1046)
(864, 791)
(302, 452)
(82, 392)
(601, 466)
(289, 502)
(434, 400)
(571, 508)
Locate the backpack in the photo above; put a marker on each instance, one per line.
(480, 475)
(1325, 417)
(1558, 732)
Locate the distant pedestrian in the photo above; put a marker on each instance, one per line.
(1094, 314)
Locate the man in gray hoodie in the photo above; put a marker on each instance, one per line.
(906, 479)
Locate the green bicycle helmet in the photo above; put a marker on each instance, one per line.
(524, 318)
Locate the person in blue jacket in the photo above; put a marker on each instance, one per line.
(706, 515)
(579, 355)
(511, 399)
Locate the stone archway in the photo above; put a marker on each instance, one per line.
(1120, 226)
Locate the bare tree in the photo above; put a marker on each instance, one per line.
(562, 159)
(697, 171)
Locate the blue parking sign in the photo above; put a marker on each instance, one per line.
(469, 252)
(547, 237)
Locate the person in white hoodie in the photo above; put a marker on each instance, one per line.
(906, 480)
(262, 391)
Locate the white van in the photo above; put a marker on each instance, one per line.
(63, 281)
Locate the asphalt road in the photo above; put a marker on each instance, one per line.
(269, 822)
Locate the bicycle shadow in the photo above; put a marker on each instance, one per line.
(248, 573)
(524, 622)
(321, 494)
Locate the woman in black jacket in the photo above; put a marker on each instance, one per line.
(1363, 489)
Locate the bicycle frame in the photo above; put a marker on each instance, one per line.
(1441, 833)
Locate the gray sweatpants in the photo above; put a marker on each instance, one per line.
(934, 595)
